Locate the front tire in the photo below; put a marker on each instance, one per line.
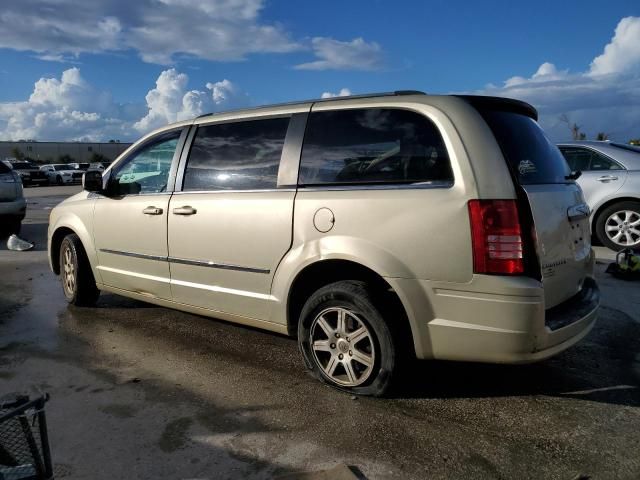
(345, 340)
(59, 180)
(78, 283)
(618, 226)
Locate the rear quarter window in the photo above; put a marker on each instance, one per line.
(372, 146)
(532, 158)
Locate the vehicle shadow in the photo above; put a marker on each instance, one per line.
(604, 367)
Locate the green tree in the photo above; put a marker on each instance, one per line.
(17, 153)
(98, 157)
(574, 128)
(602, 136)
(634, 141)
(66, 158)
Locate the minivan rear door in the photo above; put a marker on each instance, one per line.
(560, 214)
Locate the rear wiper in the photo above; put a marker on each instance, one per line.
(573, 175)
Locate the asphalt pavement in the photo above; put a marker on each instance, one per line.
(143, 392)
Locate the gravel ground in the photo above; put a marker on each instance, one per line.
(139, 391)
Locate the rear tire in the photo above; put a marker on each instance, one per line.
(618, 225)
(78, 283)
(345, 340)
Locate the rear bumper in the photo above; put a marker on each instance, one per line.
(469, 324)
(16, 208)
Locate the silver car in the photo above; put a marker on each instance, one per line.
(375, 229)
(610, 182)
(13, 206)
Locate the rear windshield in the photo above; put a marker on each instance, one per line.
(532, 158)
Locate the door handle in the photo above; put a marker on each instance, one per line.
(152, 211)
(607, 178)
(186, 210)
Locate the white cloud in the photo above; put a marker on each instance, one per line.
(336, 55)
(622, 54)
(70, 108)
(66, 109)
(170, 101)
(344, 92)
(159, 30)
(605, 98)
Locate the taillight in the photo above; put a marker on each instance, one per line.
(496, 237)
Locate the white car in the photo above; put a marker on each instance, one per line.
(62, 173)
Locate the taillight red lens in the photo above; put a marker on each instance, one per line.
(496, 237)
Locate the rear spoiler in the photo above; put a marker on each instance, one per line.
(502, 104)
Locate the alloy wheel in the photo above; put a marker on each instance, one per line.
(69, 271)
(623, 228)
(342, 346)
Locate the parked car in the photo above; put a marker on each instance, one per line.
(373, 228)
(62, 173)
(30, 173)
(99, 166)
(84, 166)
(13, 206)
(610, 181)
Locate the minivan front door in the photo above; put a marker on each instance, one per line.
(130, 220)
(231, 224)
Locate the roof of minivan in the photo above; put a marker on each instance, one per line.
(477, 101)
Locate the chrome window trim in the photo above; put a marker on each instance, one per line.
(187, 261)
(257, 190)
(385, 186)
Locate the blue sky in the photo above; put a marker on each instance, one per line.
(115, 69)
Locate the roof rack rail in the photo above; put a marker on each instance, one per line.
(318, 100)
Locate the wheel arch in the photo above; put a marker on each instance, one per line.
(323, 272)
(71, 225)
(54, 249)
(611, 201)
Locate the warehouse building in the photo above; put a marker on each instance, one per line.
(51, 152)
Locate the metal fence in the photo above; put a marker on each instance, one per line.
(24, 443)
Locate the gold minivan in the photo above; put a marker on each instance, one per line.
(376, 229)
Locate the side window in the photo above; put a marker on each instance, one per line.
(577, 158)
(146, 170)
(236, 156)
(372, 146)
(600, 162)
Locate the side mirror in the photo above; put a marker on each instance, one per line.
(92, 181)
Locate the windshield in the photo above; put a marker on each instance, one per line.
(531, 156)
(62, 167)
